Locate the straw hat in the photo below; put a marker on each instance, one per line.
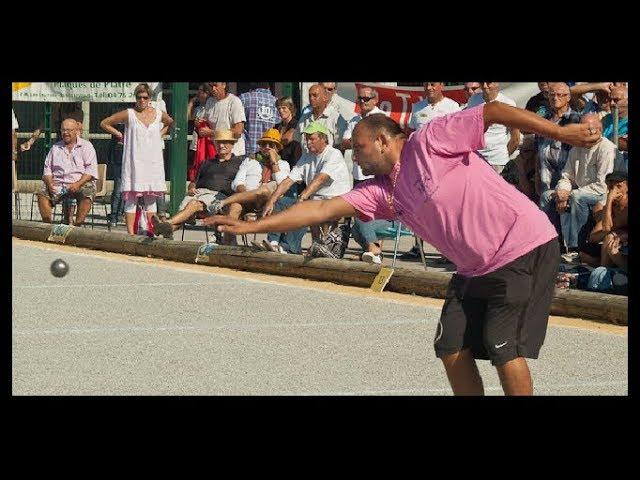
(224, 136)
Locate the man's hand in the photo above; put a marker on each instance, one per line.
(268, 208)
(205, 132)
(612, 244)
(26, 145)
(273, 157)
(562, 195)
(224, 223)
(580, 134)
(73, 187)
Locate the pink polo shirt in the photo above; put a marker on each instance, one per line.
(68, 166)
(452, 198)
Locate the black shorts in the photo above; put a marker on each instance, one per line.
(504, 314)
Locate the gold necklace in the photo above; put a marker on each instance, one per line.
(390, 198)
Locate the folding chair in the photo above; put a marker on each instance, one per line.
(101, 191)
(396, 231)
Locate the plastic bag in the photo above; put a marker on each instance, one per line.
(141, 224)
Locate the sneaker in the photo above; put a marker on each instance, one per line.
(250, 217)
(370, 257)
(443, 261)
(570, 257)
(162, 228)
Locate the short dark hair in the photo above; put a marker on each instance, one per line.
(377, 123)
(616, 177)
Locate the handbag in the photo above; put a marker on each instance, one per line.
(334, 243)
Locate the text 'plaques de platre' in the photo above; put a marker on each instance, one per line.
(204, 251)
(59, 233)
(382, 279)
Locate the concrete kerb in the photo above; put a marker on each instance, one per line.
(568, 303)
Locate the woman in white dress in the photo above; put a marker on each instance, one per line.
(142, 159)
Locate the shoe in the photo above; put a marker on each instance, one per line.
(273, 246)
(370, 257)
(250, 217)
(570, 257)
(412, 254)
(443, 261)
(162, 228)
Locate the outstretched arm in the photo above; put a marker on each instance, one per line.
(300, 215)
(576, 134)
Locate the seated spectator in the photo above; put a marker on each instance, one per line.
(581, 186)
(552, 154)
(611, 229)
(619, 98)
(256, 180)
(539, 103)
(500, 142)
(322, 168)
(70, 173)
(213, 182)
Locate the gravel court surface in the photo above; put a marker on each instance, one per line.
(121, 327)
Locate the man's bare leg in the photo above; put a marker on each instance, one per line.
(247, 197)
(515, 377)
(463, 374)
(45, 207)
(84, 206)
(235, 210)
(193, 207)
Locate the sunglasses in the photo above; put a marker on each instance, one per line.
(330, 89)
(267, 144)
(142, 97)
(365, 99)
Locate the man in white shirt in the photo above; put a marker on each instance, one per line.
(14, 136)
(321, 168)
(500, 142)
(581, 185)
(320, 111)
(434, 105)
(225, 111)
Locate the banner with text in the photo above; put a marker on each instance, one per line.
(79, 91)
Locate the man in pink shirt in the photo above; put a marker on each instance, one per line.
(505, 248)
(70, 171)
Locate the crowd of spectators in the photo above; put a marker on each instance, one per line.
(252, 155)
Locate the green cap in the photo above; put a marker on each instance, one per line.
(316, 127)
